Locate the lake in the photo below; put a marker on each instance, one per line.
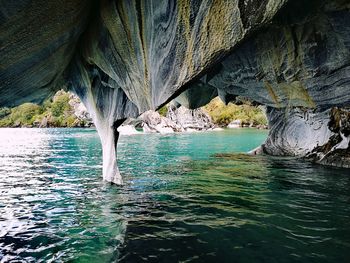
(187, 198)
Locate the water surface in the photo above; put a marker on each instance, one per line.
(187, 197)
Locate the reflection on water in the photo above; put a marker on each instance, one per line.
(182, 201)
(52, 201)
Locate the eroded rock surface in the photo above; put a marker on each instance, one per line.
(336, 150)
(190, 120)
(125, 57)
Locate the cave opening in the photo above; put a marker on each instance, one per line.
(183, 195)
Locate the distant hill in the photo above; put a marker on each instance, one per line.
(66, 110)
(63, 110)
(248, 114)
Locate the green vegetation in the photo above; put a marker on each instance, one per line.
(222, 114)
(163, 111)
(60, 106)
(56, 112)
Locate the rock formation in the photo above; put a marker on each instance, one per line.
(80, 110)
(152, 122)
(178, 119)
(190, 120)
(125, 57)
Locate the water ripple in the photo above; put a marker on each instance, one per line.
(187, 198)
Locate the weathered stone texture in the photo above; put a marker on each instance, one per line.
(128, 56)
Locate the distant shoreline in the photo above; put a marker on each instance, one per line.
(141, 132)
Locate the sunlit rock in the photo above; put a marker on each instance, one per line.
(153, 122)
(189, 120)
(235, 124)
(127, 130)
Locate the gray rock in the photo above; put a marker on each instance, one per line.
(336, 150)
(43, 123)
(178, 119)
(80, 112)
(125, 57)
(153, 122)
(296, 131)
(189, 120)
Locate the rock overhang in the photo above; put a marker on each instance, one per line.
(125, 57)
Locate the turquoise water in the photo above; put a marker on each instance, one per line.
(187, 197)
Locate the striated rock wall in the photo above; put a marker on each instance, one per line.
(38, 40)
(151, 49)
(299, 66)
(336, 150)
(125, 57)
(292, 64)
(296, 131)
(108, 107)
